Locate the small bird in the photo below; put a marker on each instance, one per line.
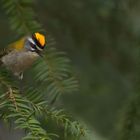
(20, 55)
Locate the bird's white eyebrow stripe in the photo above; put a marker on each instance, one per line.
(31, 40)
(38, 48)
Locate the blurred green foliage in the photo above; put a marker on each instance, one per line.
(102, 39)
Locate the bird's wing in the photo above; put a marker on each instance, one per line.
(4, 51)
(18, 45)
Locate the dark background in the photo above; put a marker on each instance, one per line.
(102, 38)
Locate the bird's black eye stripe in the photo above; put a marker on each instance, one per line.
(33, 45)
(36, 41)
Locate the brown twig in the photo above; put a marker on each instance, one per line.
(12, 97)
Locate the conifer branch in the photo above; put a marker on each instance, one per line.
(54, 71)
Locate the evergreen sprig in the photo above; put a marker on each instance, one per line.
(25, 110)
(73, 127)
(53, 72)
(18, 108)
(128, 127)
(21, 16)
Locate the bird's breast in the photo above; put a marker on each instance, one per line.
(19, 61)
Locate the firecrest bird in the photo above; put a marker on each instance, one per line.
(20, 55)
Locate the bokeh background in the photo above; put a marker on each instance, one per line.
(102, 38)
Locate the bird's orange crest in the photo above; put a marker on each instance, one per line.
(40, 38)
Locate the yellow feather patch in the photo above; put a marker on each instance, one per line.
(18, 45)
(40, 38)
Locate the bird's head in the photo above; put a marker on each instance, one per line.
(37, 43)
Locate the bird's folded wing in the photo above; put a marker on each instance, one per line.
(4, 51)
(18, 45)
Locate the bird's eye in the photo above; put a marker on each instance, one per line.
(33, 46)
